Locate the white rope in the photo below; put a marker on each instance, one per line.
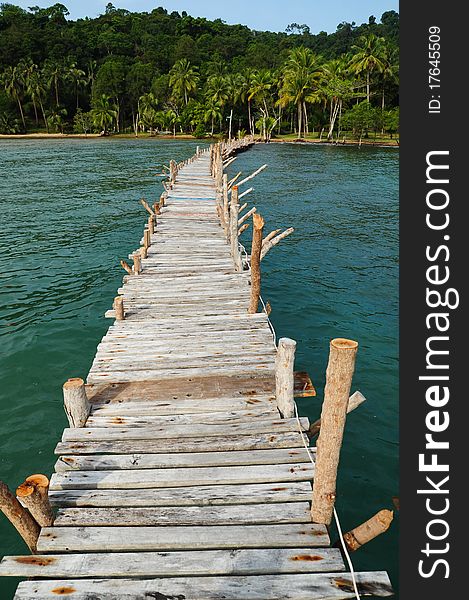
(336, 516)
(308, 450)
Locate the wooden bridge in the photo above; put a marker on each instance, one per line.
(185, 473)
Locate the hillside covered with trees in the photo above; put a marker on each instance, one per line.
(161, 71)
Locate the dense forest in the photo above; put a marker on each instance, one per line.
(159, 71)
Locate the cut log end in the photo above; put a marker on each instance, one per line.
(364, 533)
(73, 383)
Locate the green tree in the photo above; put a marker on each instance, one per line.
(368, 58)
(78, 78)
(104, 113)
(299, 84)
(183, 79)
(13, 82)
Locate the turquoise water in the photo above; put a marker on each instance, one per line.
(70, 213)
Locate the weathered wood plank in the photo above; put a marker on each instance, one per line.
(190, 459)
(110, 539)
(308, 586)
(187, 419)
(238, 514)
(215, 495)
(196, 430)
(175, 445)
(181, 477)
(176, 564)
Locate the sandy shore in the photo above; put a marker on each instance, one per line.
(62, 136)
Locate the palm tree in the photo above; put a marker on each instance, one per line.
(147, 109)
(368, 57)
(261, 83)
(183, 79)
(212, 112)
(56, 118)
(78, 78)
(336, 87)
(13, 82)
(54, 73)
(218, 90)
(103, 112)
(36, 90)
(299, 84)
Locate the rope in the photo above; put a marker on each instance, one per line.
(307, 448)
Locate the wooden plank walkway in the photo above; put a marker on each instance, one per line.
(185, 482)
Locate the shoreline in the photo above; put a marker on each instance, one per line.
(93, 136)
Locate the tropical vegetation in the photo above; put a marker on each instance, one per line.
(169, 72)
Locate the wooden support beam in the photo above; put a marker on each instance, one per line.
(248, 191)
(156, 208)
(334, 409)
(147, 238)
(143, 252)
(354, 402)
(126, 267)
(233, 181)
(225, 208)
(243, 228)
(258, 229)
(33, 494)
(284, 377)
(20, 517)
(137, 258)
(235, 251)
(243, 207)
(145, 205)
(247, 215)
(271, 235)
(274, 241)
(259, 170)
(151, 224)
(119, 308)
(364, 533)
(76, 405)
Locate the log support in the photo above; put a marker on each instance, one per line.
(235, 251)
(284, 377)
(364, 533)
(256, 247)
(33, 494)
(77, 407)
(334, 409)
(119, 308)
(20, 517)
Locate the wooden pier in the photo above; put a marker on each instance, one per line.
(184, 474)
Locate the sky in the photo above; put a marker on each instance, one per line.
(273, 15)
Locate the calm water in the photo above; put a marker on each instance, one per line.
(69, 213)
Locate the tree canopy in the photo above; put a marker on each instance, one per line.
(167, 70)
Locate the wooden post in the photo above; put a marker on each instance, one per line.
(77, 407)
(367, 531)
(137, 263)
(156, 208)
(143, 252)
(151, 224)
(147, 238)
(226, 210)
(20, 517)
(33, 494)
(334, 409)
(256, 247)
(284, 377)
(119, 308)
(235, 251)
